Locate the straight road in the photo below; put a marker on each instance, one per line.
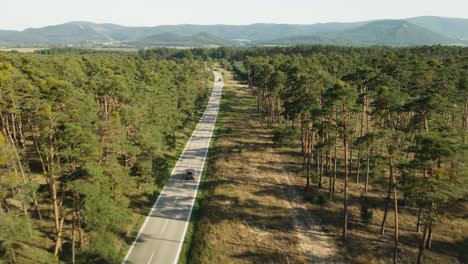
(162, 235)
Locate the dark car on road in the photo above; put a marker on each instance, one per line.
(189, 174)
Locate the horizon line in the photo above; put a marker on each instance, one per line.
(221, 24)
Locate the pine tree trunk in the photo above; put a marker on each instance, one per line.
(350, 170)
(422, 244)
(361, 133)
(358, 169)
(33, 192)
(366, 187)
(321, 170)
(303, 145)
(345, 200)
(465, 120)
(334, 174)
(36, 145)
(369, 154)
(395, 207)
(311, 149)
(306, 159)
(34, 197)
(73, 235)
(317, 165)
(53, 193)
(426, 124)
(58, 240)
(80, 232)
(20, 166)
(329, 163)
(328, 171)
(418, 224)
(387, 202)
(429, 235)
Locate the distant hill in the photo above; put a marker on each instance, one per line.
(393, 33)
(382, 32)
(55, 35)
(171, 39)
(452, 27)
(407, 32)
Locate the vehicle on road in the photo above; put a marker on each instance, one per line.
(189, 174)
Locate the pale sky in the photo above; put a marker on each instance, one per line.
(21, 14)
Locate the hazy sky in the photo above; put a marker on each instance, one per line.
(20, 14)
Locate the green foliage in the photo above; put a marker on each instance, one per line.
(403, 110)
(226, 64)
(284, 135)
(14, 229)
(160, 168)
(239, 70)
(101, 249)
(100, 126)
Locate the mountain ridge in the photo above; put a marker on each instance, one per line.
(424, 30)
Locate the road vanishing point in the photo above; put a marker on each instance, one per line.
(162, 235)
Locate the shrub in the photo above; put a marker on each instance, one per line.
(284, 135)
(321, 199)
(365, 212)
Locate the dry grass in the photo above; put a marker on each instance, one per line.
(365, 244)
(252, 212)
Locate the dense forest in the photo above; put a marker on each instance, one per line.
(399, 114)
(390, 122)
(81, 134)
(85, 132)
(230, 54)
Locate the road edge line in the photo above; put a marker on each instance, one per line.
(176, 260)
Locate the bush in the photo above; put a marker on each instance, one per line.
(226, 64)
(240, 72)
(321, 199)
(309, 196)
(284, 135)
(365, 212)
(315, 197)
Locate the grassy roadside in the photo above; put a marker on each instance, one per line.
(144, 204)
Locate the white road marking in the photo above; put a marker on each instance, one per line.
(176, 260)
(152, 255)
(164, 227)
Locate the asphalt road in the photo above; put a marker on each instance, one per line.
(162, 235)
